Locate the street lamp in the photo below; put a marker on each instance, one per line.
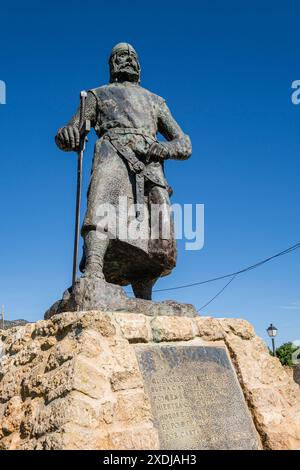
(272, 332)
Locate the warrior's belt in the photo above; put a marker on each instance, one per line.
(137, 167)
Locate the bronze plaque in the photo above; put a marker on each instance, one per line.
(196, 399)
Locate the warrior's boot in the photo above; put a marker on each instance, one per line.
(143, 289)
(94, 252)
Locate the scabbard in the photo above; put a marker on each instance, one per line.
(131, 159)
(140, 188)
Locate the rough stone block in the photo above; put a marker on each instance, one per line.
(135, 327)
(173, 329)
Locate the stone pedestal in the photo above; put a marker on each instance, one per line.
(101, 380)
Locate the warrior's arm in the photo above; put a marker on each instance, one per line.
(179, 146)
(90, 111)
(68, 137)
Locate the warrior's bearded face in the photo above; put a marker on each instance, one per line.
(124, 66)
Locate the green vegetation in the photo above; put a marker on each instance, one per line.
(284, 353)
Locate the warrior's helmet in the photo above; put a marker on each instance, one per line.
(117, 64)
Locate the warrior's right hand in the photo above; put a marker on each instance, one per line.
(68, 138)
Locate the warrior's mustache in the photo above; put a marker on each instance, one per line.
(131, 65)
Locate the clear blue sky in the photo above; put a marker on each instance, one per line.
(225, 69)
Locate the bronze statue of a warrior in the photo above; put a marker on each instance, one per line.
(128, 162)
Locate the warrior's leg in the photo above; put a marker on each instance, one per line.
(143, 289)
(94, 249)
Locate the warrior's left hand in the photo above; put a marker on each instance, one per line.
(158, 152)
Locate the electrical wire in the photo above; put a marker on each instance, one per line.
(217, 295)
(234, 274)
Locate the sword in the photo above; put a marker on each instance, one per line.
(84, 128)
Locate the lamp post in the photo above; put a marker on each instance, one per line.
(272, 332)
